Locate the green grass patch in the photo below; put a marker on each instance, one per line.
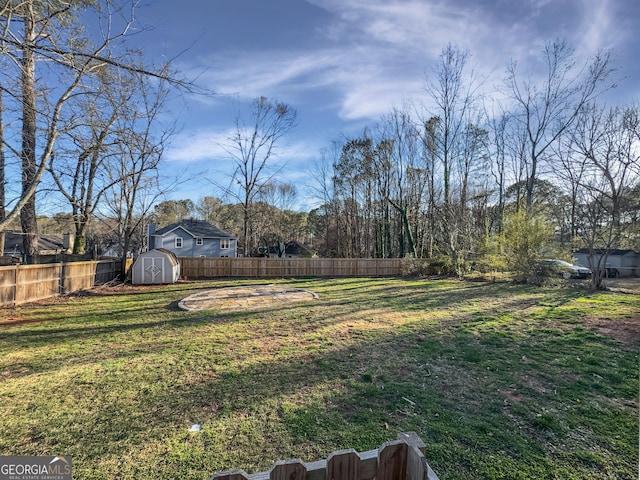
(499, 380)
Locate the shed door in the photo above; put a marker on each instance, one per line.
(152, 269)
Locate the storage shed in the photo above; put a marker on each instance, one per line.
(156, 266)
(623, 263)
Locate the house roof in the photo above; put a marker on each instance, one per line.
(296, 248)
(616, 252)
(13, 243)
(292, 248)
(196, 228)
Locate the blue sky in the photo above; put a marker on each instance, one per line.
(342, 64)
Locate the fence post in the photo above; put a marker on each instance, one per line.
(413, 440)
(15, 285)
(62, 278)
(417, 466)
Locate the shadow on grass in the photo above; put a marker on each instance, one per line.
(165, 319)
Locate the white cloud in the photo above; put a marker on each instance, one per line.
(214, 144)
(598, 27)
(373, 54)
(203, 144)
(375, 75)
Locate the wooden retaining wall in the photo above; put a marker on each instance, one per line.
(28, 283)
(402, 459)
(288, 267)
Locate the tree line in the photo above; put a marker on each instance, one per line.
(472, 179)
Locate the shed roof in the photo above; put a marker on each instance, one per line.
(197, 229)
(162, 251)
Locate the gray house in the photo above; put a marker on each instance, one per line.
(193, 238)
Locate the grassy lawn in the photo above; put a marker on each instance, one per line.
(499, 380)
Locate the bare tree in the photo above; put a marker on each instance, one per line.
(133, 175)
(45, 47)
(606, 146)
(454, 94)
(78, 168)
(253, 147)
(547, 107)
(453, 139)
(498, 125)
(3, 200)
(325, 216)
(407, 191)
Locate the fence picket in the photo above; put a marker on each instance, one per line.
(238, 474)
(392, 461)
(343, 465)
(288, 470)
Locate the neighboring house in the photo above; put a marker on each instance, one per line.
(291, 249)
(626, 262)
(193, 238)
(47, 244)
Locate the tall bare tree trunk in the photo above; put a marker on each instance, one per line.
(3, 199)
(28, 213)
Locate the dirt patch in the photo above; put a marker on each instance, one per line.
(625, 331)
(245, 297)
(116, 288)
(626, 285)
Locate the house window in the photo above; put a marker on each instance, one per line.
(225, 243)
(199, 242)
(178, 242)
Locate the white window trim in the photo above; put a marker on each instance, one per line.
(178, 242)
(199, 242)
(223, 242)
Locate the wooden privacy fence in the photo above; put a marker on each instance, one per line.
(402, 459)
(28, 283)
(191, 267)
